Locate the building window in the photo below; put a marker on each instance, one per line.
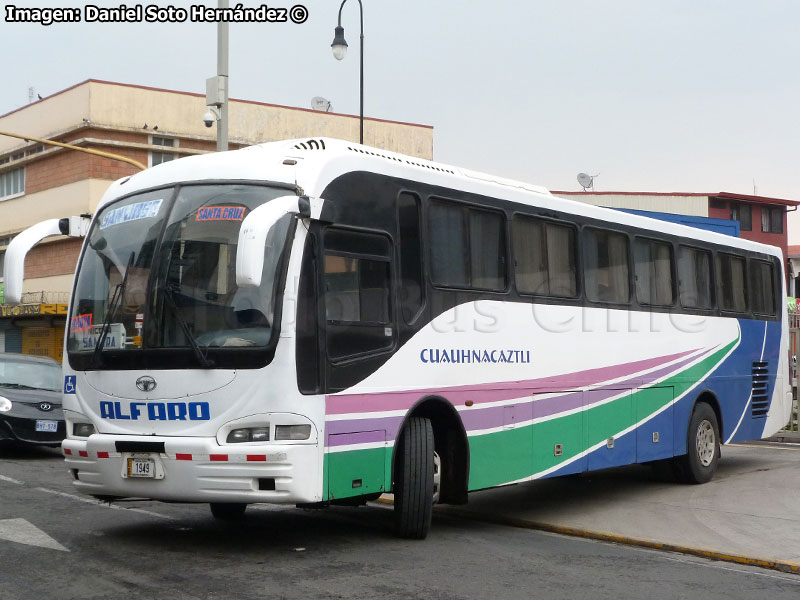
(716, 203)
(12, 183)
(744, 214)
(772, 219)
(156, 158)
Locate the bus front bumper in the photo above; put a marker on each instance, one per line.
(195, 470)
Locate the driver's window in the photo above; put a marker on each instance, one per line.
(356, 276)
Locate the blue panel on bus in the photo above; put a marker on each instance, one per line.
(723, 226)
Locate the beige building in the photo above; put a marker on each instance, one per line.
(148, 125)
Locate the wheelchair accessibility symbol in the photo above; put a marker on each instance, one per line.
(69, 384)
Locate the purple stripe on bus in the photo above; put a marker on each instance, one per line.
(361, 437)
(389, 424)
(489, 392)
(493, 417)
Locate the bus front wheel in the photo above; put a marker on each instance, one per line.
(414, 479)
(228, 511)
(700, 462)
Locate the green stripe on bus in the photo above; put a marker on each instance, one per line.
(356, 472)
(509, 455)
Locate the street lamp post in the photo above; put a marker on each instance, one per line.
(222, 73)
(217, 86)
(339, 47)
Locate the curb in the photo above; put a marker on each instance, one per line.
(764, 563)
(792, 437)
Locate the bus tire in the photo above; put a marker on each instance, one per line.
(700, 462)
(413, 485)
(228, 511)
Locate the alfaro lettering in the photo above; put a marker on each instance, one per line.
(156, 411)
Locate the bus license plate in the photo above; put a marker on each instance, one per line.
(49, 426)
(142, 467)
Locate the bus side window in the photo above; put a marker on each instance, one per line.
(653, 272)
(412, 294)
(762, 276)
(544, 257)
(356, 278)
(731, 286)
(606, 266)
(694, 278)
(468, 247)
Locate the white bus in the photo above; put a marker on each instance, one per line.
(318, 322)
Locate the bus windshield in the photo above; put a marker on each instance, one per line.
(159, 273)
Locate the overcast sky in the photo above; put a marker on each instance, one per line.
(654, 95)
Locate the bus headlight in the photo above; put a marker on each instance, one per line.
(5, 404)
(292, 432)
(248, 434)
(82, 429)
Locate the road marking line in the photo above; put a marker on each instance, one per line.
(23, 532)
(97, 502)
(8, 479)
(714, 565)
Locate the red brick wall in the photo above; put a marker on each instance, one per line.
(69, 166)
(60, 169)
(781, 240)
(199, 145)
(57, 258)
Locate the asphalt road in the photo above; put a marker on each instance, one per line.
(68, 546)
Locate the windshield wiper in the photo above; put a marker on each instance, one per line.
(204, 361)
(17, 386)
(113, 306)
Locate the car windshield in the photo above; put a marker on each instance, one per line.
(30, 375)
(159, 272)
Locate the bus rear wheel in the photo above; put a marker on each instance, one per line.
(414, 480)
(228, 511)
(700, 462)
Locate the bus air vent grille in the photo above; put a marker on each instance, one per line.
(431, 167)
(310, 145)
(760, 399)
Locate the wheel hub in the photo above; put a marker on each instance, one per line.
(706, 443)
(437, 476)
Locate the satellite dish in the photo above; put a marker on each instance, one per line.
(585, 180)
(320, 103)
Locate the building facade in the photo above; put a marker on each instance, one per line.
(148, 125)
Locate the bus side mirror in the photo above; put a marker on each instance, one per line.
(14, 267)
(256, 227)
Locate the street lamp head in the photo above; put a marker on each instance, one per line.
(339, 45)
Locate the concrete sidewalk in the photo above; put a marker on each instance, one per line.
(750, 510)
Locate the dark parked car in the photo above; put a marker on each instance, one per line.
(30, 400)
